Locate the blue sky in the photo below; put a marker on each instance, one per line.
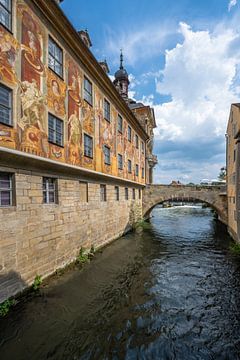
(183, 59)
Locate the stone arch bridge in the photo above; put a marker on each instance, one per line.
(214, 196)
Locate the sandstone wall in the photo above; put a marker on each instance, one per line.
(37, 238)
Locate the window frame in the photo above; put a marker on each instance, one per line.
(85, 90)
(10, 13)
(85, 135)
(106, 156)
(103, 192)
(120, 129)
(47, 191)
(107, 112)
(139, 194)
(50, 39)
(137, 141)
(56, 119)
(129, 168)
(126, 193)
(120, 168)
(10, 189)
(133, 194)
(10, 108)
(129, 134)
(137, 170)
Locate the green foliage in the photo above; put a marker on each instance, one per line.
(5, 307)
(37, 282)
(143, 224)
(222, 174)
(235, 248)
(82, 256)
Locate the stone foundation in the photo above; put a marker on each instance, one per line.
(37, 238)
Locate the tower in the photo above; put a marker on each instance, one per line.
(121, 80)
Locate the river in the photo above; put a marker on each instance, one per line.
(168, 291)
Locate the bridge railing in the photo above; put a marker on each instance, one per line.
(222, 188)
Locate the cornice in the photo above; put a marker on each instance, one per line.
(53, 13)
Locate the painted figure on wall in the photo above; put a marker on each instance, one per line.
(8, 52)
(74, 148)
(56, 94)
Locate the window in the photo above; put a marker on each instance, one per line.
(126, 193)
(117, 193)
(83, 191)
(49, 190)
(142, 173)
(136, 141)
(55, 130)
(107, 156)
(142, 147)
(5, 105)
(55, 57)
(107, 113)
(129, 133)
(88, 96)
(133, 194)
(120, 124)
(139, 194)
(129, 166)
(137, 170)
(6, 189)
(88, 146)
(103, 193)
(120, 162)
(6, 13)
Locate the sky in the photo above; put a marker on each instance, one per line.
(183, 59)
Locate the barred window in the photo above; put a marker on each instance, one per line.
(6, 190)
(129, 166)
(126, 193)
(107, 155)
(129, 133)
(55, 130)
(49, 190)
(136, 141)
(55, 57)
(103, 193)
(88, 146)
(120, 162)
(5, 105)
(88, 95)
(139, 194)
(137, 170)
(117, 193)
(6, 13)
(107, 112)
(120, 124)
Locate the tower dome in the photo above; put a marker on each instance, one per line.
(121, 80)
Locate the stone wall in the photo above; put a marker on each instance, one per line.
(37, 238)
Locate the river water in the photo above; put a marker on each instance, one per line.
(170, 291)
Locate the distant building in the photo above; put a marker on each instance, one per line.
(233, 171)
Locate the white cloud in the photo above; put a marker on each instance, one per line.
(199, 75)
(231, 4)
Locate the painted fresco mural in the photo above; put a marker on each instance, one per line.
(38, 90)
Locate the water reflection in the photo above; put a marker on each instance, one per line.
(171, 291)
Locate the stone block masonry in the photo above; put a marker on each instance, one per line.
(38, 238)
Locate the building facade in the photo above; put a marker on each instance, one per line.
(74, 156)
(233, 166)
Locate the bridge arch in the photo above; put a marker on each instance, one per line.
(215, 197)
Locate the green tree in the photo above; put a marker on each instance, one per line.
(222, 174)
